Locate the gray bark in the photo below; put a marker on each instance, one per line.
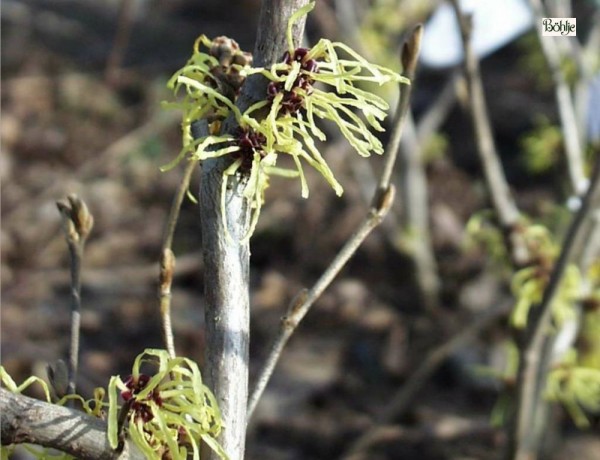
(226, 260)
(28, 420)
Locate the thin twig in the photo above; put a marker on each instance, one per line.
(117, 53)
(415, 218)
(436, 114)
(532, 370)
(585, 57)
(77, 225)
(413, 186)
(566, 109)
(501, 197)
(167, 268)
(408, 392)
(413, 194)
(173, 218)
(167, 260)
(382, 201)
(409, 58)
(499, 189)
(121, 420)
(589, 251)
(305, 300)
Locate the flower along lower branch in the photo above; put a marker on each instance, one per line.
(167, 412)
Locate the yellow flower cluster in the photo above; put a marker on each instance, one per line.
(307, 85)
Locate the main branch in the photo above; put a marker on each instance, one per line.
(226, 257)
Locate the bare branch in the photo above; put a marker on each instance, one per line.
(566, 108)
(167, 259)
(121, 40)
(409, 57)
(305, 300)
(415, 217)
(77, 225)
(502, 200)
(176, 205)
(167, 269)
(437, 113)
(28, 420)
(413, 188)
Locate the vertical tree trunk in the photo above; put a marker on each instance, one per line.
(226, 260)
(226, 270)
